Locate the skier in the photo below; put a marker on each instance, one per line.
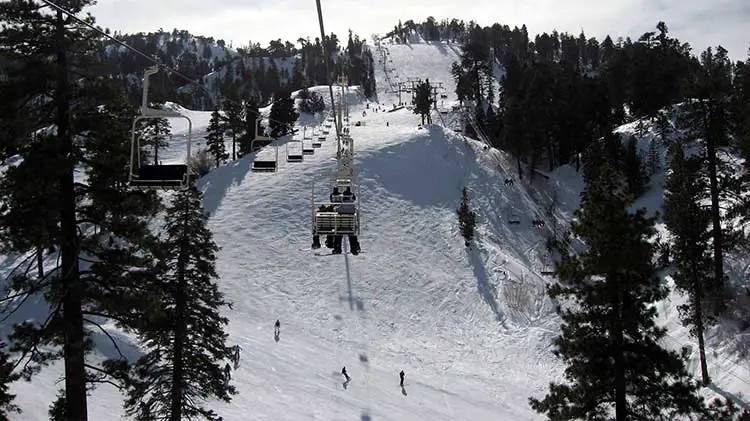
(236, 356)
(343, 371)
(401, 374)
(227, 373)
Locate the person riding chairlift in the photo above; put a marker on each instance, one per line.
(348, 196)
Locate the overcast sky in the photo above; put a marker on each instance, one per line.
(701, 23)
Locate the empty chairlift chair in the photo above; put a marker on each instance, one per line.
(156, 176)
(295, 152)
(514, 217)
(307, 149)
(264, 165)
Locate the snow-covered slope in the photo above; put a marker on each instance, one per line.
(470, 328)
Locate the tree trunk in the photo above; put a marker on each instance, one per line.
(621, 409)
(71, 287)
(234, 142)
(701, 345)
(718, 291)
(40, 261)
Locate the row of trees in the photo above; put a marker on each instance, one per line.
(105, 255)
(561, 98)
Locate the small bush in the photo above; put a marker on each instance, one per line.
(201, 163)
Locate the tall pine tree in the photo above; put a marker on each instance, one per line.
(184, 336)
(689, 223)
(423, 100)
(215, 138)
(609, 339)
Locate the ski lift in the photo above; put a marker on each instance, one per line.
(296, 153)
(265, 165)
(514, 217)
(338, 215)
(307, 149)
(321, 138)
(156, 177)
(548, 266)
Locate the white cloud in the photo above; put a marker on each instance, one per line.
(702, 23)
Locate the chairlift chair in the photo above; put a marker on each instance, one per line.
(265, 165)
(514, 217)
(307, 149)
(548, 266)
(295, 154)
(340, 218)
(157, 176)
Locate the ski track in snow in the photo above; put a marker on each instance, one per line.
(415, 299)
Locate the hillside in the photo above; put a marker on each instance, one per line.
(471, 328)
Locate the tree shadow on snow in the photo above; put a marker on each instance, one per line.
(216, 183)
(485, 290)
(731, 396)
(428, 171)
(440, 45)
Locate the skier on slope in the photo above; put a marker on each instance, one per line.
(401, 374)
(343, 371)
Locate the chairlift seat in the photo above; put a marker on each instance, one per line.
(173, 176)
(295, 157)
(316, 144)
(321, 138)
(308, 151)
(264, 166)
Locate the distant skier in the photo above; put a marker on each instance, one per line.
(227, 373)
(236, 356)
(276, 330)
(343, 371)
(401, 374)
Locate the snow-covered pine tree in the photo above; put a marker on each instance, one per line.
(609, 339)
(184, 336)
(215, 138)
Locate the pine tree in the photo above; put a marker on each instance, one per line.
(184, 336)
(6, 377)
(215, 138)
(282, 116)
(466, 218)
(252, 126)
(708, 117)
(423, 99)
(81, 215)
(154, 132)
(689, 224)
(233, 119)
(609, 339)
